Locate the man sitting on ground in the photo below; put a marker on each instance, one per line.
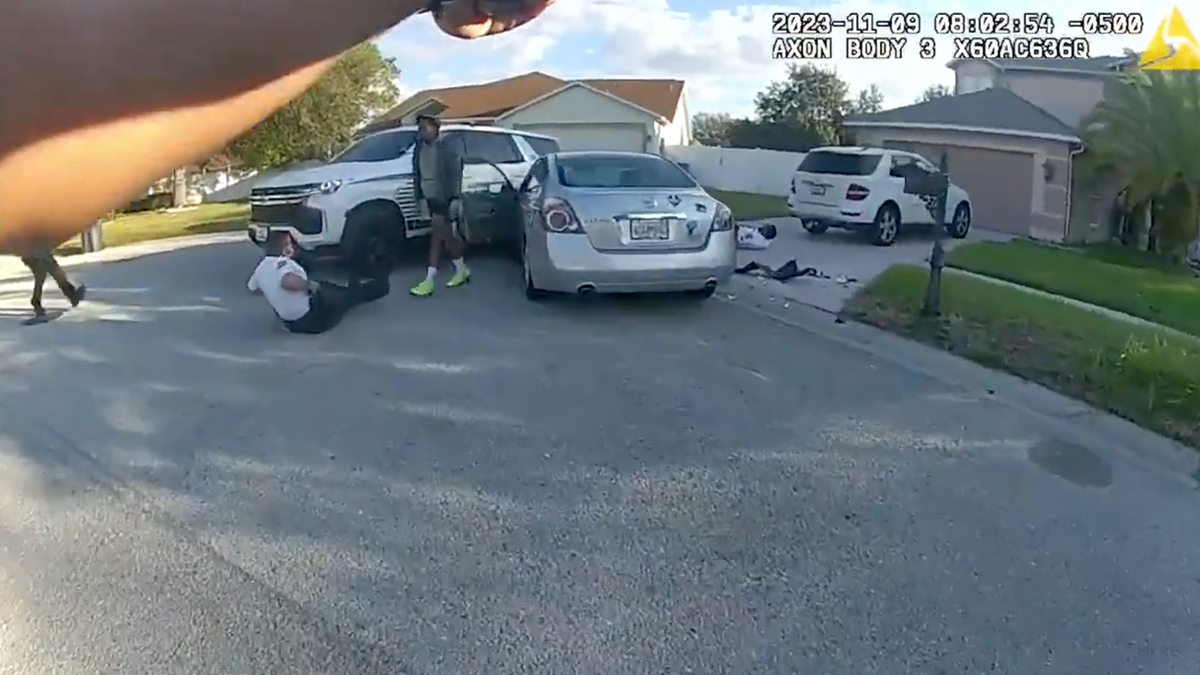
(306, 306)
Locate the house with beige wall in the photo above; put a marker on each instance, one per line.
(640, 115)
(1010, 136)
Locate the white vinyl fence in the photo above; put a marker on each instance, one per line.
(764, 172)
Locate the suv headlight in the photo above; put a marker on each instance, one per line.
(329, 187)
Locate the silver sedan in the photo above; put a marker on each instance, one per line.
(621, 222)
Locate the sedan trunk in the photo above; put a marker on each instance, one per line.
(633, 220)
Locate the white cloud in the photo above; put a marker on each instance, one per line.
(724, 55)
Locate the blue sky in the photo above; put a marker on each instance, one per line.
(721, 49)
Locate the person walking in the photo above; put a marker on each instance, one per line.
(43, 264)
(437, 183)
(304, 305)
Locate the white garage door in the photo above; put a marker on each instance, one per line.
(628, 137)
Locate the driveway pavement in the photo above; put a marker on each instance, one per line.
(476, 484)
(847, 258)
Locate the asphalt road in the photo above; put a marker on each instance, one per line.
(476, 484)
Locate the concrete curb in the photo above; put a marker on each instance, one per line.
(1065, 417)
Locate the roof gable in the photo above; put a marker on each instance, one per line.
(492, 99)
(996, 108)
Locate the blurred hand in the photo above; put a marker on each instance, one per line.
(470, 19)
(81, 134)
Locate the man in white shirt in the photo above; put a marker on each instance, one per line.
(306, 306)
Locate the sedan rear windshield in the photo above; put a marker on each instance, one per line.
(621, 172)
(839, 163)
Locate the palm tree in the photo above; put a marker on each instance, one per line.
(1146, 136)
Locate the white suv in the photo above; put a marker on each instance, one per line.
(359, 206)
(875, 190)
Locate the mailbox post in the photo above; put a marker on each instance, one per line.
(92, 239)
(937, 256)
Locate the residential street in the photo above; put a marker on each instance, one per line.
(473, 483)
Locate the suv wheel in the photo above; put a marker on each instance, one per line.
(961, 224)
(371, 242)
(886, 226)
(814, 226)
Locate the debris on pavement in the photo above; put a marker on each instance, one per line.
(789, 270)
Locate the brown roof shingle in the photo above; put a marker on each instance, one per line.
(492, 99)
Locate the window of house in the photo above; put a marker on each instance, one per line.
(969, 84)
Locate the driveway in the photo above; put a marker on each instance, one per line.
(848, 259)
(476, 484)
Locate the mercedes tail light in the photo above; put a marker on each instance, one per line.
(856, 193)
(560, 218)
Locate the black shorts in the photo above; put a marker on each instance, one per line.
(39, 263)
(438, 207)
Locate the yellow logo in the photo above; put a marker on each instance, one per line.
(1173, 46)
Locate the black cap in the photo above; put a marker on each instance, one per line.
(429, 118)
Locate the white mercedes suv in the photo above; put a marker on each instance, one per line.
(874, 190)
(359, 206)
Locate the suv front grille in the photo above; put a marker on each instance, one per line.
(305, 219)
(288, 194)
(285, 206)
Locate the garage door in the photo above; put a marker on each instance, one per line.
(628, 137)
(1000, 183)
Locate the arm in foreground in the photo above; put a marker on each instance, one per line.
(124, 102)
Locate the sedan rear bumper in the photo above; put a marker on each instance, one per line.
(565, 263)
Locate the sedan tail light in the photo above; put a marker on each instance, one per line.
(723, 220)
(856, 192)
(560, 218)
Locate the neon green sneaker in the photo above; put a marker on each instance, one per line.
(460, 277)
(423, 289)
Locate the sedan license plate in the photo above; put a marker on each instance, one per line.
(659, 228)
(260, 232)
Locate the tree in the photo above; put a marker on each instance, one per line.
(712, 128)
(934, 91)
(869, 100)
(360, 86)
(1144, 136)
(812, 97)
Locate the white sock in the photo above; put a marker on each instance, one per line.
(459, 265)
(431, 273)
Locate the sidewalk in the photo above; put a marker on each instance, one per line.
(1111, 313)
(11, 266)
(850, 262)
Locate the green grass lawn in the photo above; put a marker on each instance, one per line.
(1119, 280)
(150, 225)
(749, 206)
(1145, 375)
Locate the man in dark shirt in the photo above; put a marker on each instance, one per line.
(43, 264)
(437, 182)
